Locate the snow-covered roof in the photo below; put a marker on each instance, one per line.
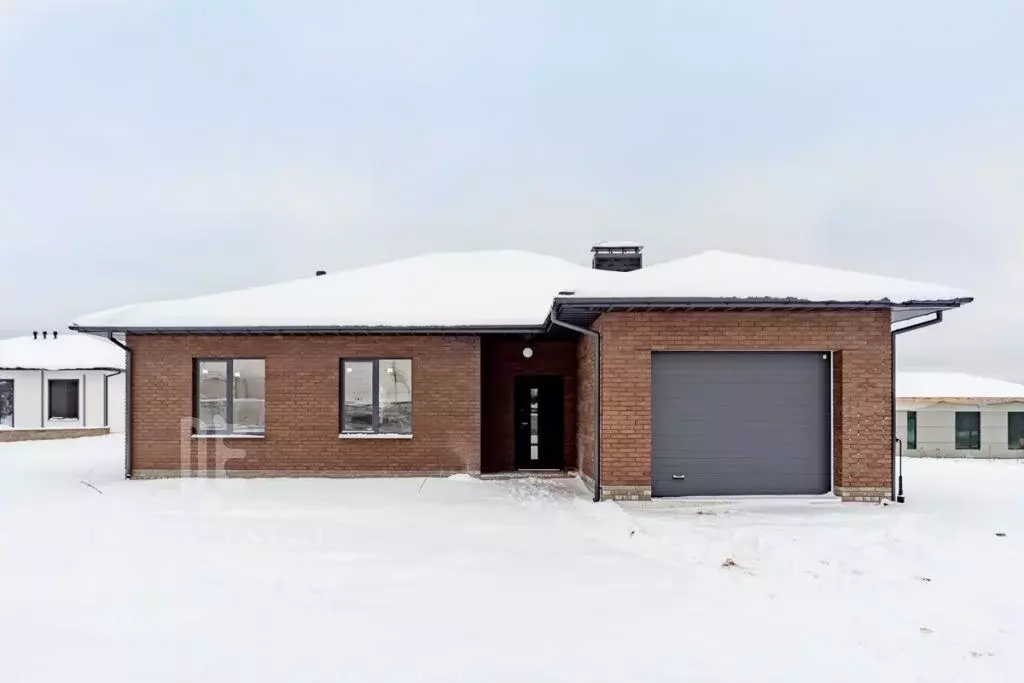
(69, 351)
(499, 289)
(953, 385)
(618, 244)
(723, 275)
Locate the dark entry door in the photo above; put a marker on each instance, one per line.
(538, 422)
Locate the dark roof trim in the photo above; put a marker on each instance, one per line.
(294, 329)
(713, 302)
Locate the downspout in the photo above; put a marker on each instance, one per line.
(127, 404)
(897, 495)
(596, 336)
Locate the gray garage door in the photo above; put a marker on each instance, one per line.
(728, 423)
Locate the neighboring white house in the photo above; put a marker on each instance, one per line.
(61, 381)
(946, 414)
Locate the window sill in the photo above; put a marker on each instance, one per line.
(229, 436)
(365, 435)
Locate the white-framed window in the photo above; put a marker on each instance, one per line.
(967, 431)
(229, 396)
(63, 399)
(911, 430)
(7, 403)
(1015, 430)
(376, 396)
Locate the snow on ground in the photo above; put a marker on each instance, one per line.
(466, 580)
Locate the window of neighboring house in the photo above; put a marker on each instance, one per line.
(1015, 431)
(6, 403)
(968, 431)
(230, 396)
(911, 430)
(376, 396)
(63, 399)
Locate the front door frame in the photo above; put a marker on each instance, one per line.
(538, 425)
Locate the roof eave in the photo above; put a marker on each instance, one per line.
(757, 302)
(313, 329)
(987, 400)
(589, 303)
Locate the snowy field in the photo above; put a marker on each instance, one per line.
(465, 580)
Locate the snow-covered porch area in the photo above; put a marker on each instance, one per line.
(468, 580)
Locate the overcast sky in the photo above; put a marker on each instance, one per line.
(157, 148)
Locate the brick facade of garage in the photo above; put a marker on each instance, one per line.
(862, 385)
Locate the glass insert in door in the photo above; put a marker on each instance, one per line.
(534, 421)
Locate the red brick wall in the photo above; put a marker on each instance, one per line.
(585, 409)
(862, 380)
(302, 404)
(502, 361)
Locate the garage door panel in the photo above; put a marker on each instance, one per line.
(734, 445)
(704, 431)
(766, 485)
(740, 423)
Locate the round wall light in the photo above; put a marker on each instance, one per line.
(527, 352)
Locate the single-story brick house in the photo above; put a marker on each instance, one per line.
(716, 374)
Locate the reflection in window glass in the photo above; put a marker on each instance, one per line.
(968, 431)
(63, 399)
(231, 396)
(6, 402)
(1015, 433)
(395, 410)
(357, 409)
(213, 396)
(249, 398)
(911, 430)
